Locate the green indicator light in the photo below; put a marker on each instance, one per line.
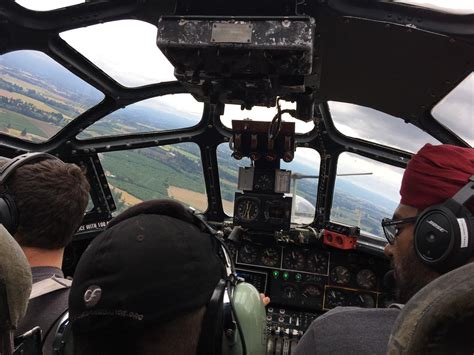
(298, 277)
(275, 274)
(286, 276)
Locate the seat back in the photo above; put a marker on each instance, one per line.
(439, 319)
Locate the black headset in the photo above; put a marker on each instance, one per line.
(444, 233)
(8, 211)
(219, 315)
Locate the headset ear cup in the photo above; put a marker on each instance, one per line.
(441, 238)
(8, 213)
(250, 311)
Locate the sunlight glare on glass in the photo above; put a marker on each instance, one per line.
(459, 7)
(46, 5)
(456, 110)
(126, 50)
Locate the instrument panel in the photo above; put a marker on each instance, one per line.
(313, 279)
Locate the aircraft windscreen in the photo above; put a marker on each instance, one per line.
(126, 50)
(364, 200)
(171, 171)
(456, 110)
(304, 181)
(48, 4)
(458, 7)
(156, 114)
(365, 123)
(38, 96)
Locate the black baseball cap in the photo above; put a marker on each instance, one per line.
(144, 270)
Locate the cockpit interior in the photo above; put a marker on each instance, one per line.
(287, 124)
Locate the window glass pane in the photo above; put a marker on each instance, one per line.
(38, 96)
(304, 184)
(155, 114)
(364, 200)
(234, 112)
(45, 5)
(306, 162)
(459, 7)
(171, 171)
(456, 110)
(126, 50)
(378, 127)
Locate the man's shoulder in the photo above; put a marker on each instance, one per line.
(340, 319)
(370, 326)
(345, 312)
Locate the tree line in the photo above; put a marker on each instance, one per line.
(30, 110)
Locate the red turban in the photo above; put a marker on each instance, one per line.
(435, 174)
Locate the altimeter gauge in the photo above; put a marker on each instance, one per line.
(248, 209)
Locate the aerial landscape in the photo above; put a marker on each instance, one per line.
(38, 97)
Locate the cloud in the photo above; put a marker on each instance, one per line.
(375, 126)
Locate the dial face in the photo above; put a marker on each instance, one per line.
(317, 262)
(270, 257)
(247, 210)
(311, 291)
(366, 279)
(289, 292)
(341, 275)
(335, 298)
(294, 260)
(364, 300)
(248, 254)
(264, 183)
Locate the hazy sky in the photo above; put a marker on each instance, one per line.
(127, 51)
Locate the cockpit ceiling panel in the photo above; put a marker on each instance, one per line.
(364, 123)
(125, 50)
(38, 96)
(397, 69)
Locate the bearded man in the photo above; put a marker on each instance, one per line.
(433, 176)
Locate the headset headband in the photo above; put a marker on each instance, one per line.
(463, 195)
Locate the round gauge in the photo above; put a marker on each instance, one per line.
(311, 291)
(366, 279)
(270, 257)
(335, 298)
(294, 260)
(341, 275)
(365, 300)
(248, 254)
(247, 209)
(264, 183)
(289, 292)
(317, 262)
